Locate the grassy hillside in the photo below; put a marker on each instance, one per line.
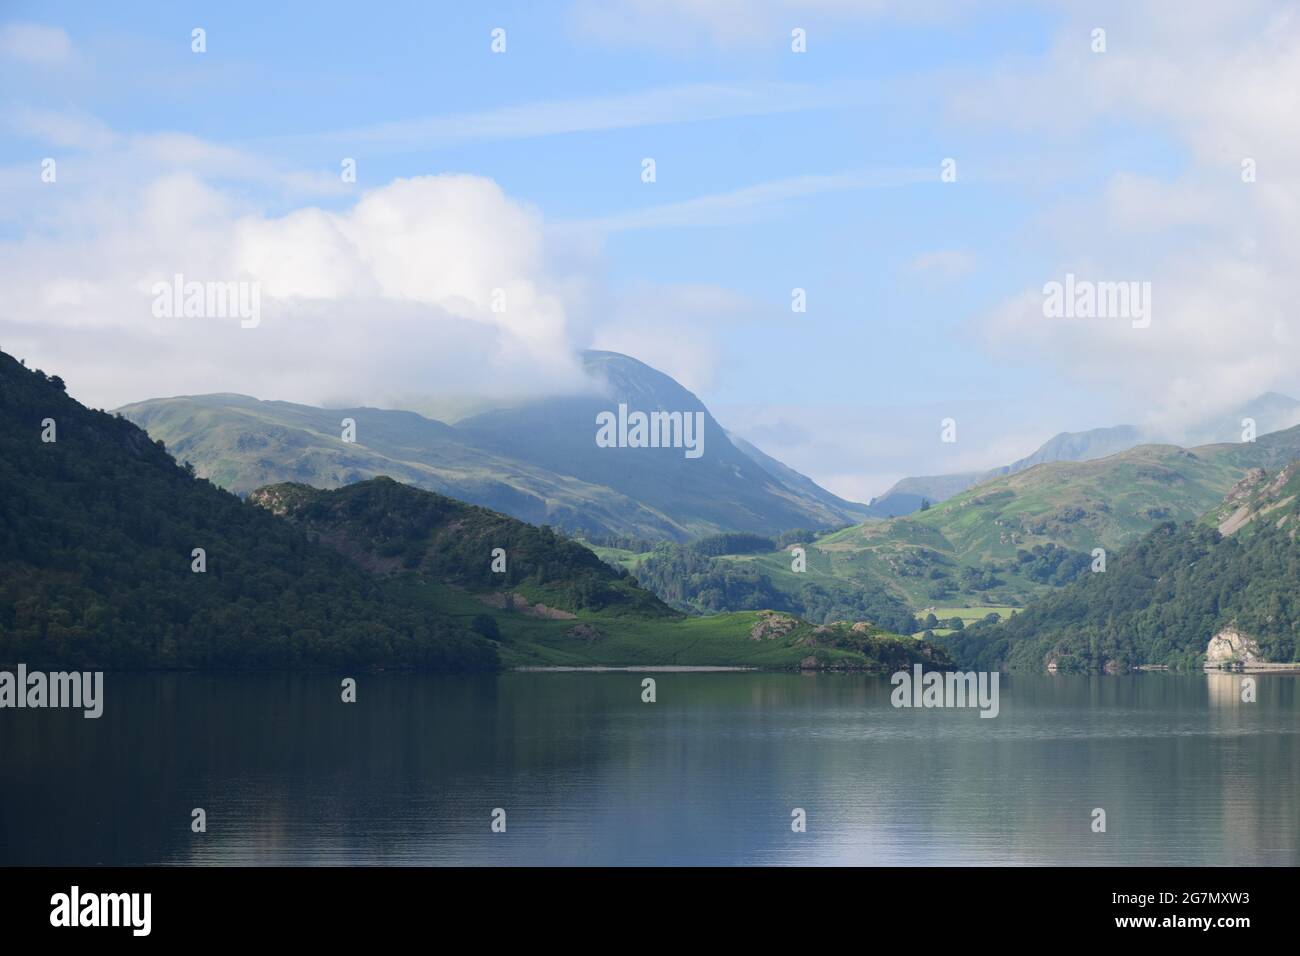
(537, 461)
(995, 547)
(1270, 411)
(241, 443)
(1013, 537)
(1162, 599)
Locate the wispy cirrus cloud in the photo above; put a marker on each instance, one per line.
(93, 159)
(653, 107)
(746, 203)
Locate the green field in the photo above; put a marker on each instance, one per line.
(618, 557)
(628, 640)
(968, 615)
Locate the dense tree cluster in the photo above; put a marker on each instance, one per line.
(1051, 564)
(457, 543)
(737, 542)
(621, 542)
(694, 581)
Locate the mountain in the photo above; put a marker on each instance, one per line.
(1228, 584)
(1076, 446)
(538, 461)
(723, 489)
(1271, 412)
(99, 528)
(911, 494)
(98, 531)
(241, 443)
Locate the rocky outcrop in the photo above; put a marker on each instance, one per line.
(1252, 497)
(771, 625)
(1230, 646)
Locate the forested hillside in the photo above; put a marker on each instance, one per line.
(98, 528)
(392, 527)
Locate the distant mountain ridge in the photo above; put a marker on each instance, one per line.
(1271, 412)
(537, 461)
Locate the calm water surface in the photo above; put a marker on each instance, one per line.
(709, 774)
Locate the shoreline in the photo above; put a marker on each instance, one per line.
(606, 668)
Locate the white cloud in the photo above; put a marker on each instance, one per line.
(1223, 81)
(392, 294)
(34, 43)
(434, 285)
(97, 164)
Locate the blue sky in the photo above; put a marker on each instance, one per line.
(774, 170)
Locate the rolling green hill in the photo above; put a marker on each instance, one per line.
(1270, 411)
(538, 462)
(241, 443)
(1162, 599)
(1002, 543)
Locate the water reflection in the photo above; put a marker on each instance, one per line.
(1186, 772)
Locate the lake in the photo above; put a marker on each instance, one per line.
(710, 773)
